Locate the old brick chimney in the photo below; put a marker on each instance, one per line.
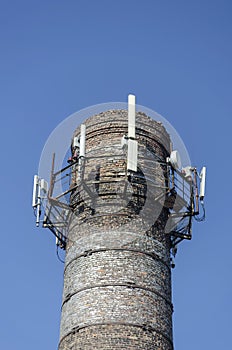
(117, 277)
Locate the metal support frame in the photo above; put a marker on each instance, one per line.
(182, 199)
(57, 211)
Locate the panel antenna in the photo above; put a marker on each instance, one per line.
(132, 152)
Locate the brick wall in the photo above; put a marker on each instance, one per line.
(117, 279)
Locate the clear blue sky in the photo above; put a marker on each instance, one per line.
(60, 56)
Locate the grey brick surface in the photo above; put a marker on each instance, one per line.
(117, 278)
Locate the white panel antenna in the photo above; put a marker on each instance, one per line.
(202, 183)
(76, 141)
(82, 141)
(43, 187)
(132, 155)
(82, 151)
(124, 141)
(35, 190)
(40, 190)
(175, 160)
(132, 151)
(131, 116)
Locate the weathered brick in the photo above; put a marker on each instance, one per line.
(117, 279)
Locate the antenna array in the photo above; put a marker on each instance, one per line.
(181, 195)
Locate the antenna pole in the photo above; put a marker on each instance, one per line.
(196, 190)
(52, 177)
(38, 210)
(82, 152)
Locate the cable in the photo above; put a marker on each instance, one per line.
(201, 218)
(34, 210)
(58, 256)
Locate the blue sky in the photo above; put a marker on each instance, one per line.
(60, 56)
